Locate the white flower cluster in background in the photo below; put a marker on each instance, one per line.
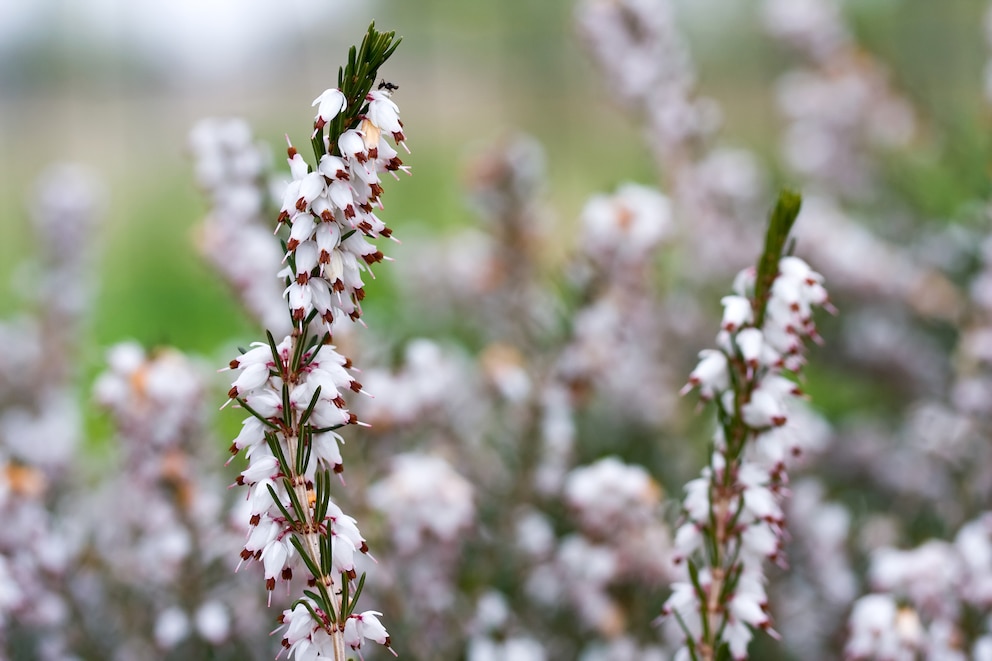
(177, 531)
(921, 597)
(232, 170)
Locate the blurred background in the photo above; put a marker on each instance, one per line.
(117, 85)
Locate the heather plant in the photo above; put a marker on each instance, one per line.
(292, 388)
(549, 455)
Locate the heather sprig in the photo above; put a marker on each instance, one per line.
(292, 388)
(732, 515)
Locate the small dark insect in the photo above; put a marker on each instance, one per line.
(388, 86)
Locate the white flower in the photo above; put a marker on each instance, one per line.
(765, 409)
(737, 311)
(710, 376)
(365, 625)
(330, 102)
(385, 114)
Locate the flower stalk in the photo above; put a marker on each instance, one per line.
(733, 520)
(293, 388)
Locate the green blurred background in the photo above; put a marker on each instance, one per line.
(116, 85)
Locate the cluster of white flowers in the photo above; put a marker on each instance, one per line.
(294, 388)
(314, 390)
(174, 526)
(36, 553)
(934, 582)
(423, 497)
(621, 236)
(330, 209)
(306, 631)
(426, 381)
(733, 513)
(155, 400)
(621, 540)
(430, 510)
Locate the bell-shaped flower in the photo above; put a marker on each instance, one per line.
(329, 104)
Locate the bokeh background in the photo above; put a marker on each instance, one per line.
(116, 86)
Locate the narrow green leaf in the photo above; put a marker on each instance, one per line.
(349, 609)
(308, 561)
(275, 499)
(780, 222)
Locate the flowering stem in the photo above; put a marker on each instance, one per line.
(732, 511)
(293, 388)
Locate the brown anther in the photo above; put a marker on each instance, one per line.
(298, 314)
(233, 392)
(347, 363)
(246, 554)
(376, 190)
(364, 548)
(339, 402)
(327, 317)
(393, 164)
(287, 574)
(337, 286)
(349, 211)
(360, 294)
(301, 204)
(302, 278)
(270, 584)
(234, 364)
(355, 386)
(366, 207)
(291, 151)
(339, 468)
(292, 244)
(354, 315)
(352, 418)
(365, 226)
(326, 215)
(255, 518)
(386, 232)
(233, 448)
